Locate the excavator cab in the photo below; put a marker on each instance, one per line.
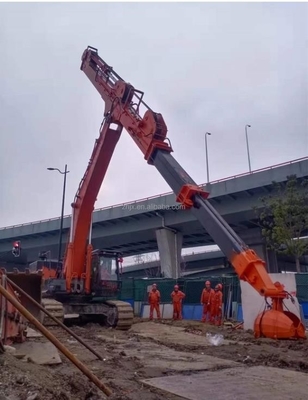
(106, 271)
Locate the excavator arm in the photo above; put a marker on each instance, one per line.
(77, 261)
(122, 106)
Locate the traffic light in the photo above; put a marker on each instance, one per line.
(16, 248)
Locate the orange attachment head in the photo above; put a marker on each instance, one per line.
(276, 324)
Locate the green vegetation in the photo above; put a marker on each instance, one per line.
(284, 218)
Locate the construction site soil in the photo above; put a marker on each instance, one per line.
(147, 350)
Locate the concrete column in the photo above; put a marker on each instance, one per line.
(272, 262)
(170, 250)
(269, 256)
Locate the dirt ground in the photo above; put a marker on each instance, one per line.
(148, 350)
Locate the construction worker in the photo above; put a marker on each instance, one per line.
(217, 305)
(154, 301)
(177, 296)
(206, 301)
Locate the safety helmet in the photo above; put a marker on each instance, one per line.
(176, 286)
(154, 285)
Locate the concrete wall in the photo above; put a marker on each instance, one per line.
(253, 303)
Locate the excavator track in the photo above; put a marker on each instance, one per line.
(55, 308)
(120, 315)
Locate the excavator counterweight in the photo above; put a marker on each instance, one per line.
(149, 132)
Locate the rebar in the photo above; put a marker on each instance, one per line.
(93, 378)
(69, 331)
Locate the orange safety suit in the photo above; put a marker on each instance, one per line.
(154, 300)
(207, 301)
(217, 307)
(177, 297)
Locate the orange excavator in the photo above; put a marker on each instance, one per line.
(149, 132)
(84, 285)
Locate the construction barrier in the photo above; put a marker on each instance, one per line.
(135, 291)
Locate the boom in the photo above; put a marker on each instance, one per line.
(149, 133)
(122, 106)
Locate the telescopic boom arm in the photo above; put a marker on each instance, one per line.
(122, 103)
(149, 132)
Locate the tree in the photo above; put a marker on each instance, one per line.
(284, 218)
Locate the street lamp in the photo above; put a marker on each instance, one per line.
(207, 156)
(248, 126)
(62, 211)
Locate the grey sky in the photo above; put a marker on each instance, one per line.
(205, 67)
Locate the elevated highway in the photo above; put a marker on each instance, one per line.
(131, 227)
(206, 263)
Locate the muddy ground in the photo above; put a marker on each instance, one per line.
(148, 350)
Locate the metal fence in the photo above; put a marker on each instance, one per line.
(136, 288)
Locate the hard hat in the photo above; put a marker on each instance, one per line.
(154, 285)
(176, 287)
(207, 282)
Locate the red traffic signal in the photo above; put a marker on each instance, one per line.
(16, 248)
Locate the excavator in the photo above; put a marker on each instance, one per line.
(99, 304)
(149, 132)
(88, 284)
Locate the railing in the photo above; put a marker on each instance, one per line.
(163, 194)
(193, 253)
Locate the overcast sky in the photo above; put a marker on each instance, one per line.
(205, 67)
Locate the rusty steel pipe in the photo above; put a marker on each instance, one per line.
(93, 378)
(69, 331)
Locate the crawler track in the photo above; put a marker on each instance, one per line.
(121, 315)
(55, 308)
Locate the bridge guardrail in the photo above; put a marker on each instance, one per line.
(162, 194)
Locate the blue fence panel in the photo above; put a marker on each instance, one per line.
(188, 311)
(239, 313)
(130, 301)
(304, 305)
(198, 312)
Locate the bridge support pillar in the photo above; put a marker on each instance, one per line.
(269, 256)
(170, 249)
(272, 262)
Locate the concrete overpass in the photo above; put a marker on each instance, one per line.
(132, 227)
(205, 263)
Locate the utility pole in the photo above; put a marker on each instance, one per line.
(62, 208)
(207, 157)
(249, 164)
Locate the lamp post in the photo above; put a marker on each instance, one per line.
(62, 210)
(207, 156)
(249, 164)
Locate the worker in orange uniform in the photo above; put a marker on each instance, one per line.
(177, 297)
(207, 301)
(154, 301)
(217, 305)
